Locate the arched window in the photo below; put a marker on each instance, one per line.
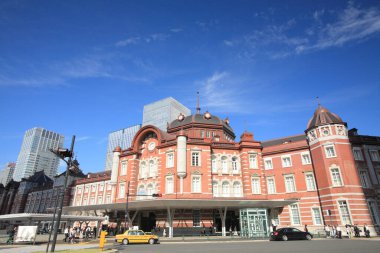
(215, 188)
(213, 164)
(237, 189)
(143, 170)
(149, 190)
(235, 165)
(225, 189)
(141, 191)
(224, 165)
(152, 169)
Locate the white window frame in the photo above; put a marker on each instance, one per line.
(170, 159)
(286, 161)
(123, 170)
(228, 192)
(312, 186)
(215, 188)
(314, 217)
(169, 189)
(108, 199)
(364, 179)
(256, 188)
(100, 200)
(121, 193)
(214, 166)
(234, 192)
(235, 164)
(374, 154)
(290, 188)
(295, 207)
(305, 161)
(328, 153)
(358, 155)
(341, 212)
(152, 168)
(274, 185)
(333, 177)
(252, 157)
(196, 188)
(268, 161)
(224, 163)
(195, 158)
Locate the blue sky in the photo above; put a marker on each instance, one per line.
(88, 67)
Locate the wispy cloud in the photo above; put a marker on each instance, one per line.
(83, 138)
(126, 42)
(31, 82)
(351, 25)
(147, 39)
(176, 30)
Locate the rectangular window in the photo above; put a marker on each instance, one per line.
(317, 216)
(109, 187)
(290, 184)
(330, 151)
(170, 160)
(108, 199)
(271, 185)
(344, 212)
(364, 179)
(100, 200)
(357, 154)
(196, 184)
(214, 168)
(294, 212)
(93, 187)
(305, 158)
(374, 155)
(101, 187)
(195, 159)
(215, 188)
(253, 161)
(336, 178)
(202, 134)
(208, 134)
(121, 190)
(123, 168)
(196, 218)
(268, 163)
(256, 189)
(373, 210)
(310, 182)
(286, 161)
(169, 184)
(86, 189)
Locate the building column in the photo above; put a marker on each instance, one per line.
(170, 213)
(223, 215)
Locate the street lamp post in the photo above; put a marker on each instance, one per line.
(62, 154)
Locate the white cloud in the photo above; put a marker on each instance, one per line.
(126, 42)
(83, 138)
(176, 30)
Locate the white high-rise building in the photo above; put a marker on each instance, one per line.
(6, 173)
(122, 138)
(163, 111)
(35, 154)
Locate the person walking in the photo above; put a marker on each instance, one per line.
(66, 232)
(366, 231)
(339, 232)
(327, 230)
(306, 230)
(333, 231)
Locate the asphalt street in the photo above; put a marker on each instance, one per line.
(325, 246)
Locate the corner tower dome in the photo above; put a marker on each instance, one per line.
(322, 116)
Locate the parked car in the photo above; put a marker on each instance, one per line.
(285, 234)
(136, 236)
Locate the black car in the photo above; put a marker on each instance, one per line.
(285, 234)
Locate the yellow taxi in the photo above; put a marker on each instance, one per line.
(136, 236)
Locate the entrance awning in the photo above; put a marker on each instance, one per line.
(157, 204)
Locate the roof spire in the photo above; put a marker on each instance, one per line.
(198, 108)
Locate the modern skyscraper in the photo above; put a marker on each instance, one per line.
(35, 154)
(122, 138)
(6, 173)
(163, 111)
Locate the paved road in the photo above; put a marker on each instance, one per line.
(317, 246)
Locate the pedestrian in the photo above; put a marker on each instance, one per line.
(274, 225)
(210, 230)
(333, 231)
(348, 231)
(164, 233)
(366, 231)
(66, 232)
(327, 230)
(306, 230)
(339, 232)
(11, 234)
(95, 232)
(356, 231)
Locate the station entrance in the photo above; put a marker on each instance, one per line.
(254, 223)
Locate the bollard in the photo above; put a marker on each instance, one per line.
(102, 240)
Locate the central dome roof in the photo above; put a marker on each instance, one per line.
(206, 119)
(322, 116)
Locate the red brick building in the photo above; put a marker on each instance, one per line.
(210, 182)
